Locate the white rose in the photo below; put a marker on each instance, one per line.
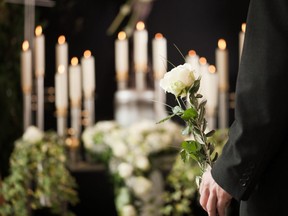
(32, 135)
(128, 210)
(119, 149)
(142, 162)
(125, 170)
(178, 80)
(141, 186)
(106, 126)
(87, 138)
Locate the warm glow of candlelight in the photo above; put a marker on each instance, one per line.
(61, 69)
(158, 36)
(222, 44)
(61, 39)
(192, 53)
(243, 27)
(121, 35)
(212, 69)
(87, 54)
(202, 61)
(25, 45)
(74, 61)
(140, 26)
(38, 31)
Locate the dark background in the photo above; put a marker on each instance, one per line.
(189, 24)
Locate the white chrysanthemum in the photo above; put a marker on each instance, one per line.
(106, 126)
(142, 162)
(125, 170)
(119, 149)
(178, 80)
(32, 135)
(141, 186)
(87, 137)
(128, 210)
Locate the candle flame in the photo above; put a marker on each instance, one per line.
(25, 45)
(121, 35)
(222, 44)
(61, 39)
(243, 27)
(158, 36)
(87, 53)
(212, 69)
(192, 53)
(202, 61)
(74, 61)
(140, 26)
(61, 69)
(38, 30)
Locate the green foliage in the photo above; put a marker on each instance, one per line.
(182, 180)
(38, 178)
(198, 148)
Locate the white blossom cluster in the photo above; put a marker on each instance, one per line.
(131, 147)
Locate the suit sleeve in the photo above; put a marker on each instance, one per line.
(261, 112)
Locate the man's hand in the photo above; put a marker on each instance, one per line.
(213, 198)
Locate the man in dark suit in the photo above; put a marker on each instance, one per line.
(254, 161)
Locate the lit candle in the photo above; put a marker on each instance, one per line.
(222, 65)
(121, 57)
(75, 82)
(140, 47)
(193, 59)
(61, 89)
(88, 71)
(26, 67)
(222, 68)
(39, 52)
(62, 52)
(241, 39)
(212, 88)
(159, 52)
(203, 70)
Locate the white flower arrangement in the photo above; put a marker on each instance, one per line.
(130, 160)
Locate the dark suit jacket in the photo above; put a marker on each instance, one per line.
(255, 159)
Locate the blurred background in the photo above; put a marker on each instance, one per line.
(188, 24)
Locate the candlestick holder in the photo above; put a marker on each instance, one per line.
(89, 107)
(76, 120)
(140, 80)
(73, 144)
(61, 121)
(27, 109)
(122, 80)
(160, 101)
(211, 117)
(40, 102)
(223, 109)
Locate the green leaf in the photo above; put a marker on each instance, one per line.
(202, 104)
(210, 133)
(184, 155)
(189, 113)
(195, 87)
(177, 110)
(186, 130)
(215, 157)
(165, 119)
(190, 146)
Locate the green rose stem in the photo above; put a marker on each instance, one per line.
(181, 82)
